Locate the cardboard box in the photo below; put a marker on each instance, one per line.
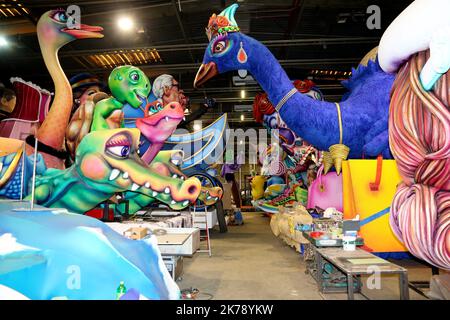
(136, 233)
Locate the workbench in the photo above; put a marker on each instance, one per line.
(360, 262)
(174, 244)
(351, 264)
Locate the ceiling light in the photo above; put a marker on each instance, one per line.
(197, 126)
(125, 23)
(243, 94)
(242, 117)
(3, 42)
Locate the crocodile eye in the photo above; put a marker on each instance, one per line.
(160, 107)
(120, 151)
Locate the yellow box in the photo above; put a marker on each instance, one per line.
(372, 206)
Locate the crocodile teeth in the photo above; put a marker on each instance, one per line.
(167, 190)
(147, 185)
(208, 197)
(154, 193)
(174, 176)
(184, 118)
(175, 161)
(135, 186)
(125, 175)
(173, 202)
(114, 174)
(185, 203)
(167, 119)
(216, 198)
(182, 178)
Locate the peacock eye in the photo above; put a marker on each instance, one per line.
(219, 46)
(120, 151)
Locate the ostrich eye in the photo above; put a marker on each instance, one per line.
(60, 16)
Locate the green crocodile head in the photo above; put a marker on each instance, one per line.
(129, 84)
(107, 161)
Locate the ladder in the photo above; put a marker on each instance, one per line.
(201, 219)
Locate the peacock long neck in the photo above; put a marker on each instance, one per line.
(307, 117)
(52, 130)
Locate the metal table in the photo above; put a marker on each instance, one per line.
(174, 244)
(359, 262)
(312, 259)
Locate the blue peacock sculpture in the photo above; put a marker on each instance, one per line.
(363, 111)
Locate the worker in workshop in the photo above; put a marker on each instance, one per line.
(166, 89)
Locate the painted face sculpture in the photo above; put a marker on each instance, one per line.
(89, 92)
(174, 93)
(129, 84)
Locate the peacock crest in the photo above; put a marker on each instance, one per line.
(361, 74)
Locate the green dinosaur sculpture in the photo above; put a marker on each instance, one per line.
(106, 163)
(128, 84)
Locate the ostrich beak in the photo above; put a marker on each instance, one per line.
(85, 32)
(206, 72)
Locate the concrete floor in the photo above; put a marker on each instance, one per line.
(249, 262)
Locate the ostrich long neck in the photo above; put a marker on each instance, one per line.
(307, 117)
(53, 128)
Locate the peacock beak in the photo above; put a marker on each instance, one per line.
(206, 72)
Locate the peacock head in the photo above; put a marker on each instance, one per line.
(228, 49)
(57, 29)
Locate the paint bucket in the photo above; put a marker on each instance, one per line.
(349, 243)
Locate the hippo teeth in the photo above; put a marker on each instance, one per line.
(154, 194)
(185, 203)
(147, 185)
(114, 174)
(167, 190)
(173, 202)
(135, 186)
(125, 175)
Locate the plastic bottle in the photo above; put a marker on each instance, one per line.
(121, 290)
